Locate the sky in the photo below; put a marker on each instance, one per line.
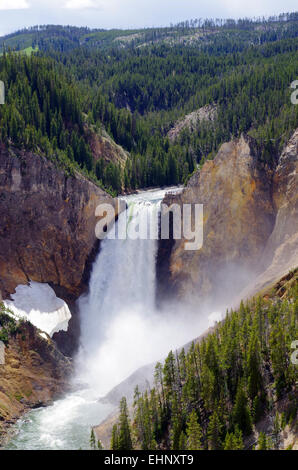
(16, 14)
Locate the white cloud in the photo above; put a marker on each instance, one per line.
(13, 4)
(255, 8)
(129, 13)
(81, 4)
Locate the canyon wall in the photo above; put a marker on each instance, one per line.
(250, 225)
(33, 374)
(47, 231)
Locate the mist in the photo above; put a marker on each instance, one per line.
(135, 338)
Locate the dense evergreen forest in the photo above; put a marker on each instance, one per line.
(214, 394)
(137, 84)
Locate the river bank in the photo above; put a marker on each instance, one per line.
(34, 374)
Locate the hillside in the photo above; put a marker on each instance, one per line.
(234, 389)
(138, 94)
(196, 32)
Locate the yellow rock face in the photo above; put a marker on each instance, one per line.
(243, 202)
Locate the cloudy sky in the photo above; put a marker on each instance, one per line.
(15, 14)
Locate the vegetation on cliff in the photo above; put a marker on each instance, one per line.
(8, 325)
(214, 395)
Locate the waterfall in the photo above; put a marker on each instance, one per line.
(121, 295)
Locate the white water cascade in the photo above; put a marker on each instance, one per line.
(121, 296)
(120, 331)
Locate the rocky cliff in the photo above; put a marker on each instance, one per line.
(103, 146)
(34, 373)
(250, 224)
(191, 121)
(47, 231)
(281, 250)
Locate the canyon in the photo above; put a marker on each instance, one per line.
(250, 242)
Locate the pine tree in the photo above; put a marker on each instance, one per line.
(253, 368)
(214, 432)
(182, 441)
(169, 375)
(92, 440)
(276, 431)
(234, 441)
(258, 408)
(241, 412)
(99, 445)
(193, 432)
(176, 423)
(262, 442)
(115, 438)
(124, 438)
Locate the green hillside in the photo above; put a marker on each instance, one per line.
(136, 84)
(215, 395)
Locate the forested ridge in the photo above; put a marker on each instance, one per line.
(64, 38)
(214, 394)
(137, 91)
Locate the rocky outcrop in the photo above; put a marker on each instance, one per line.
(281, 250)
(250, 223)
(103, 146)
(191, 121)
(47, 231)
(34, 373)
(282, 245)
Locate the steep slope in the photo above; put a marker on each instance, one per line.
(192, 120)
(281, 251)
(104, 147)
(199, 374)
(48, 223)
(33, 374)
(250, 223)
(47, 232)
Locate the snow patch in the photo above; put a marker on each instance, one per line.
(38, 304)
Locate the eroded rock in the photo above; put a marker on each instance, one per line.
(250, 223)
(47, 231)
